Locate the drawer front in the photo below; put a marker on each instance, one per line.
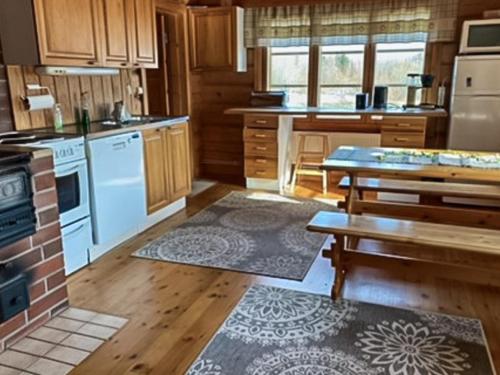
(261, 161)
(261, 121)
(261, 149)
(404, 127)
(390, 139)
(260, 135)
(252, 171)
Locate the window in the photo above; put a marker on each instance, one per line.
(289, 71)
(393, 63)
(340, 76)
(340, 72)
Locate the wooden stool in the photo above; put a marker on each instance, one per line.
(308, 162)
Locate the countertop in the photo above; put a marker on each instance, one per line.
(285, 111)
(36, 153)
(99, 130)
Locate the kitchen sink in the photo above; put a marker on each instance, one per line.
(135, 120)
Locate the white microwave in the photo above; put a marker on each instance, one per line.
(480, 36)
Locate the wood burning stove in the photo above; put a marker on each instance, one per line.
(17, 212)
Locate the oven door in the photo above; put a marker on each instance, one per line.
(72, 183)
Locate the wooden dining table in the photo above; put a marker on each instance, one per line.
(367, 161)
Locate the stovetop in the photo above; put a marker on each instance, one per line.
(66, 148)
(23, 138)
(11, 157)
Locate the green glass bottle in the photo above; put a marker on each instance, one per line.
(85, 119)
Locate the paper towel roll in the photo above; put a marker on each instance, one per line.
(34, 103)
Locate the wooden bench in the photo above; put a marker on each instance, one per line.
(341, 225)
(427, 209)
(448, 189)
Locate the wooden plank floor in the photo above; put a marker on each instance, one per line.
(175, 309)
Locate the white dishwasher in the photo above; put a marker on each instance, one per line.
(117, 187)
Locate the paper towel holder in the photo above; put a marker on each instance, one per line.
(27, 98)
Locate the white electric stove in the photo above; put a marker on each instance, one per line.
(72, 183)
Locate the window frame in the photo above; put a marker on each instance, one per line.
(368, 81)
(398, 85)
(269, 70)
(334, 86)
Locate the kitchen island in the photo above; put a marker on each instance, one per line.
(269, 134)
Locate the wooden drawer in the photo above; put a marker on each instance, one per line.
(404, 127)
(269, 149)
(262, 121)
(401, 123)
(261, 161)
(258, 171)
(393, 139)
(260, 135)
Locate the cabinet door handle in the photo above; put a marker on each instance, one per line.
(260, 136)
(91, 62)
(403, 125)
(261, 161)
(123, 64)
(261, 122)
(260, 148)
(260, 172)
(400, 139)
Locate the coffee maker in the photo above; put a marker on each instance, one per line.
(416, 83)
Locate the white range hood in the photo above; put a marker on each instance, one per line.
(75, 71)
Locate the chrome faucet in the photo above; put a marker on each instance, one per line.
(120, 113)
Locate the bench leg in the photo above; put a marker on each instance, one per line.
(340, 269)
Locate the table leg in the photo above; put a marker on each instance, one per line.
(340, 269)
(351, 197)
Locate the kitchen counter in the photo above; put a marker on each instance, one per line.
(284, 111)
(99, 130)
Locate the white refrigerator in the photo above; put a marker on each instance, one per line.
(475, 104)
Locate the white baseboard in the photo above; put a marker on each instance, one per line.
(164, 213)
(263, 184)
(97, 251)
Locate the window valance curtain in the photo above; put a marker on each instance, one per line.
(352, 22)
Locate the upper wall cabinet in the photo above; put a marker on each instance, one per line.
(115, 33)
(109, 33)
(216, 39)
(68, 32)
(143, 33)
(129, 33)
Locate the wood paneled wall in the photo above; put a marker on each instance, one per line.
(67, 90)
(5, 111)
(219, 136)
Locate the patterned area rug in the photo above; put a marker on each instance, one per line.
(257, 233)
(279, 331)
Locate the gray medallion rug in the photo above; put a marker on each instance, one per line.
(258, 233)
(276, 331)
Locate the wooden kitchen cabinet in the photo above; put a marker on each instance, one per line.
(260, 136)
(143, 33)
(117, 49)
(68, 32)
(100, 33)
(404, 132)
(155, 161)
(216, 36)
(178, 160)
(167, 162)
(129, 33)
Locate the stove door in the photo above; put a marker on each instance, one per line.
(72, 191)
